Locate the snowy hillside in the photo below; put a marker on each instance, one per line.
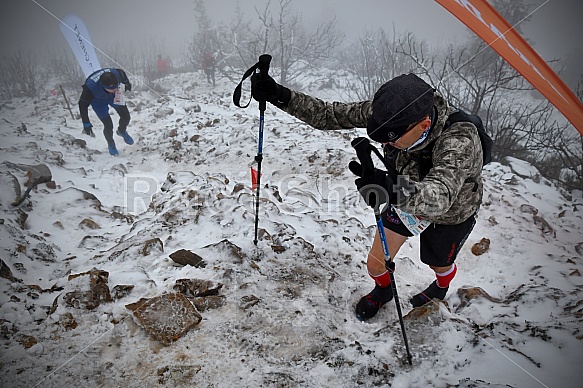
(88, 285)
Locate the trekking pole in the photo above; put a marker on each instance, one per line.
(363, 149)
(263, 67)
(264, 61)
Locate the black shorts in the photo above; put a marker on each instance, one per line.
(440, 244)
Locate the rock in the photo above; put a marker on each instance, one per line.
(492, 221)
(124, 217)
(208, 302)
(278, 248)
(544, 226)
(27, 341)
(10, 191)
(121, 290)
(45, 252)
(238, 187)
(92, 242)
(167, 317)
(197, 287)
(185, 257)
(176, 145)
(481, 247)
(177, 375)
(6, 273)
(89, 223)
(235, 250)
(79, 143)
(39, 173)
(163, 112)
(193, 108)
(98, 290)
(154, 243)
(248, 301)
(22, 217)
(529, 209)
(428, 309)
(263, 234)
(36, 174)
(7, 329)
(139, 106)
(467, 294)
(67, 321)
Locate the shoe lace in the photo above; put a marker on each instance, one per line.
(372, 302)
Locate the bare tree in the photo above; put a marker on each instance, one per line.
(22, 76)
(378, 57)
(204, 38)
(231, 42)
(64, 68)
(476, 74)
(564, 150)
(294, 48)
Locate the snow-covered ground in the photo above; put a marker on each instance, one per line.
(512, 317)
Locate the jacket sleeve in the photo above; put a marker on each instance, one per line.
(328, 115)
(124, 77)
(84, 102)
(456, 156)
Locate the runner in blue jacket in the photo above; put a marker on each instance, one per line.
(99, 91)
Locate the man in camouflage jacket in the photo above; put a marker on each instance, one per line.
(406, 116)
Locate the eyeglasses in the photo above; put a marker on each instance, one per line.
(409, 129)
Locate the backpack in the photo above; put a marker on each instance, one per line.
(425, 159)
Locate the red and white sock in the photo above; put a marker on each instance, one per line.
(383, 280)
(444, 278)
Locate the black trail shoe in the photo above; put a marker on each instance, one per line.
(369, 305)
(433, 291)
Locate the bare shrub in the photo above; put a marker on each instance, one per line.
(22, 76)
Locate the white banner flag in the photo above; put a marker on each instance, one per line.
(78, 37)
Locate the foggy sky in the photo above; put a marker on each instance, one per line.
(555, 29)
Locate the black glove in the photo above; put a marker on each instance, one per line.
(377, 188)
(264, 88)
(128, 87)
(88, 130)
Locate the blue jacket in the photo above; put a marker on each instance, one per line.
(94, 94)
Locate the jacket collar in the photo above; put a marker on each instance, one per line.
(440, 109)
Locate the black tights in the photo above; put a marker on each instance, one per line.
(124, 120)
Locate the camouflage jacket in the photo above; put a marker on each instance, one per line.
(443, 196)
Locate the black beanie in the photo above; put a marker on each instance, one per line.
(402, 101)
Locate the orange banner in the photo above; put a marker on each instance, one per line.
(481, 18)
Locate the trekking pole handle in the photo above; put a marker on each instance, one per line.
(263, 66)
(264, 62)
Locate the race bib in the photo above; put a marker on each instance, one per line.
(119, 98)
(415, 224)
